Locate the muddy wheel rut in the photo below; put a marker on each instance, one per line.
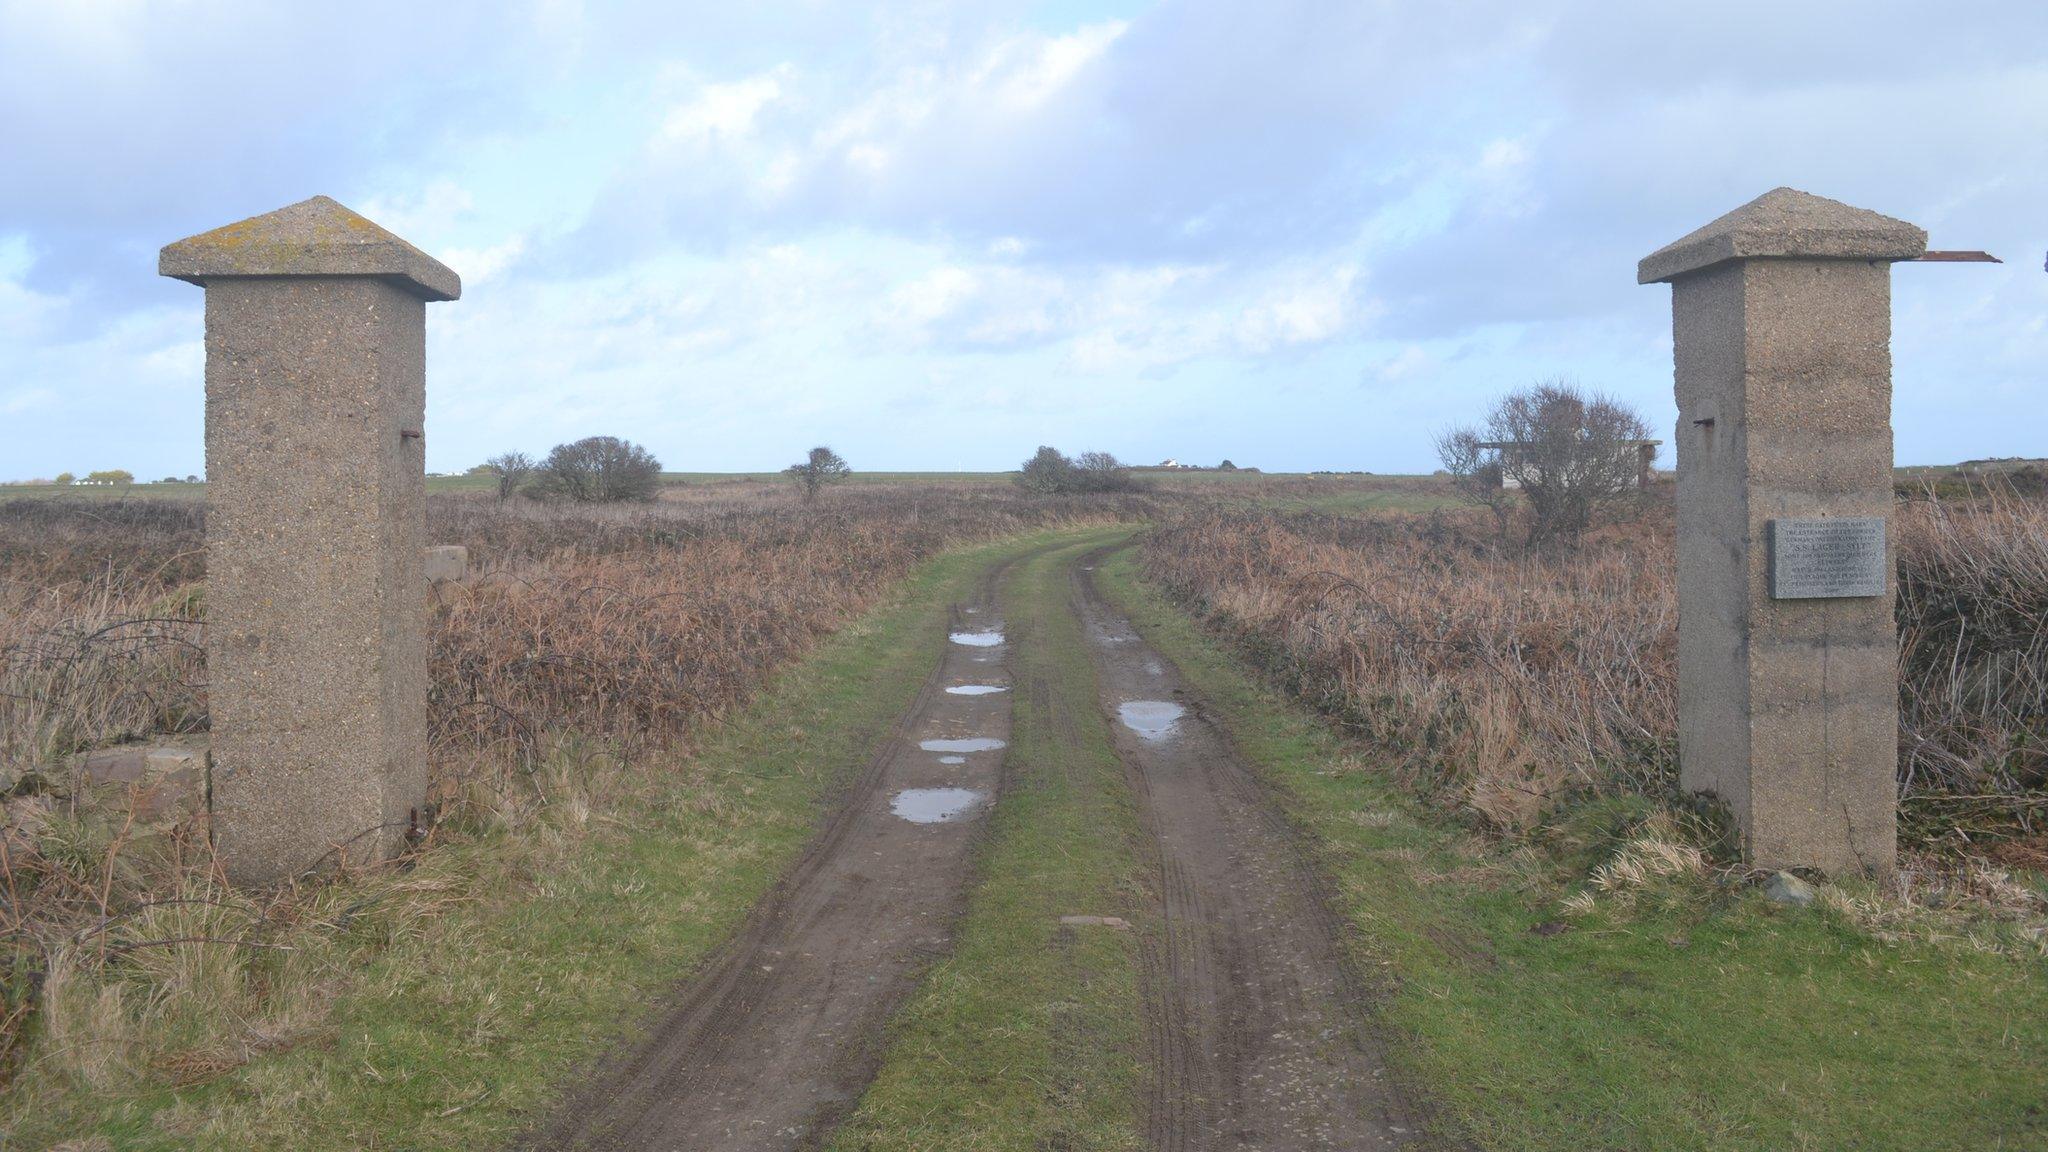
(1258, 1033)
(770, 1045)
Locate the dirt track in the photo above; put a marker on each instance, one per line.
(771, 1045)
(1256, 1037)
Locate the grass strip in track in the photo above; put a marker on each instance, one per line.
(1709, 1020)
(524, 961)
(1027, 1036)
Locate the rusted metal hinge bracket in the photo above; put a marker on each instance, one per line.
(1955, 258)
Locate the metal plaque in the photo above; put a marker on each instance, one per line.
(1829, 557)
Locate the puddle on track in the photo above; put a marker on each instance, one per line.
(974, 689)
(936, 805)
(1151, 719)
(987, 639)
(968, 744)
(952, 759)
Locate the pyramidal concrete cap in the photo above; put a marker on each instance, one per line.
(316, 237)
(1786, 222)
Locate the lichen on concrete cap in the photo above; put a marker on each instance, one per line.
(316, 237)
(1786, 223)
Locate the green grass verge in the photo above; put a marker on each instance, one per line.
(1027, 1036)
(1708, 1018)
(459, 1022)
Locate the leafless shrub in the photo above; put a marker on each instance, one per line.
(512, 469)
(1568, 452)
(819, 469)
(1051, 472)
(597, 470)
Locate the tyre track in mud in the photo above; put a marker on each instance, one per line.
(1259, 1037)
(770, 1044)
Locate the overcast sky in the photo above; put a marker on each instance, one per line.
(937, 235)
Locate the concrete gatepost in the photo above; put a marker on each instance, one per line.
(315, 532)
(1787, 649)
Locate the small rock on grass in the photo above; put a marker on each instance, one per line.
(1785, 888)
(1117, 922)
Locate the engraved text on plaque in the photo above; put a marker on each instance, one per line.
(1827, 557)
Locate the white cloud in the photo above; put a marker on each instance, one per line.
(1025, 72)
(1308, 312)
(915, 306)
(722, 113)
(1411, 363)
(24, 312)
(478, 265)
(421, 214)
(16, 401)
(1503, 155)
(690, 215)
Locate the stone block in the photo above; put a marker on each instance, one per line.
(164, 780)
(447, 562)
(1781, 326)
(316, 526)
(1785, 888)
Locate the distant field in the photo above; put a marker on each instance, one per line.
(487, 483)
(85, 492)
(1332, 490)
(1323, 491)
(1967, 467)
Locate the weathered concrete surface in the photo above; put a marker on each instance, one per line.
(1788, 709)
(315, 237)
(316, 589)
(1785, 222)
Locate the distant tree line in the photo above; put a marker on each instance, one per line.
(606, 469)
(118, 477)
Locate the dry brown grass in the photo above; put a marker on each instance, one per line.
(1973, 626)
(1493, 677)
(588, 638)
(1538, 693)
(1507, 681)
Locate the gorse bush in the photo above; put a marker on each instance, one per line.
(1497, 680)
(46, 543)
(1973, 629)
